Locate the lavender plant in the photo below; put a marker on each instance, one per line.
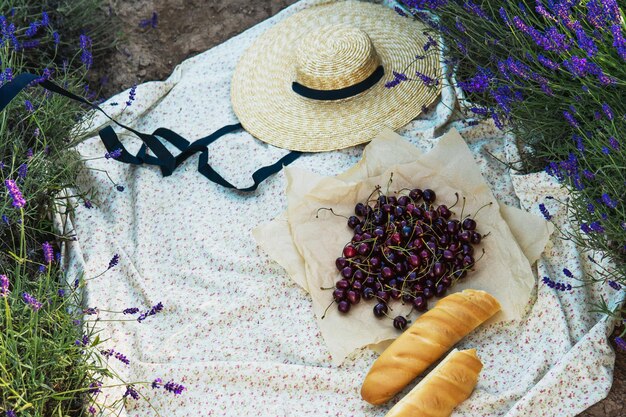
(52, 360)
(553, 72)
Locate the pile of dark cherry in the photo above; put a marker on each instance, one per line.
(404, 248)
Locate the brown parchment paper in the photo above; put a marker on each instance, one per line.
(306, 245)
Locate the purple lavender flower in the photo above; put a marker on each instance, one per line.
(131, 310)
(543, 12)
(33, 28)
(5, 219)
(29, 106)
(584, 41)
(568, 273)
(496, 120)
(11, 413)
(154, 20)
(84, 341)
(31, 301)
(56, 37)
(130, 391)
(45, 19)
(92, 410)
(157, 383)
(504, 16)
(596, 227)
(559, 286)
(173, 387)
(114, 261)
(429, 44)
(479, 83)
(579, 142)
(614, 143)
(459, 25)
(117, 355)
(88, 204)
(400, 11)
(90, 311)
(157, 308)
(591, 208)
(570, 119)
(131, 95)
(94, 387)
(548, 63)
(119, 188)
(428, 81)
(544, 211)
(578, 67)
(22, 170)
(113, 154)
(615, 285)
(475, 9)
(479, 110)
(607, 111)
(48, 252)
(621, 343)
(618, 40)
(85, 48)
(608, 201)
(15, 193)
(4, 285)
(61, 292)
(605, 150)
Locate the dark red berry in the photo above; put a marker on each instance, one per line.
(415, 194)
(353, 297)
(380, 310)
(363, 248)
(343, 306)
(360, 210)
(339, 294)
(469, 224)
(341, 263)
(342, 284)
(444, 211)
(420, 303)
(368, 293)
(349, 251)
(400, 322)
(429, 196)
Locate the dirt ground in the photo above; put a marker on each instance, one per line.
(186, 27)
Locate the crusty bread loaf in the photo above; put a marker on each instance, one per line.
(432, 335)
(447, 386)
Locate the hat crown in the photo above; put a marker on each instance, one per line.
(335, 57)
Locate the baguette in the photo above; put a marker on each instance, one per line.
(432, 335)
(445, 387)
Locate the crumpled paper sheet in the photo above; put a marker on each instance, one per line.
(306, 242)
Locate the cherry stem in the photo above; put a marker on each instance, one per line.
(456, 202)
(325, 311)
(482, 207)
(331, 210)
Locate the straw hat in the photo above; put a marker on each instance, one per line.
(316, 81)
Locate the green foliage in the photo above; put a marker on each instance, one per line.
(43, 369)
(564, 104)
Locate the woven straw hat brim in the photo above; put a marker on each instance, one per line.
(268, 108)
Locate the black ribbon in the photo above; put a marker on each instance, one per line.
(162, 158)
(340, 93)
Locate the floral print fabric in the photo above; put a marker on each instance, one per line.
(234, 328)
